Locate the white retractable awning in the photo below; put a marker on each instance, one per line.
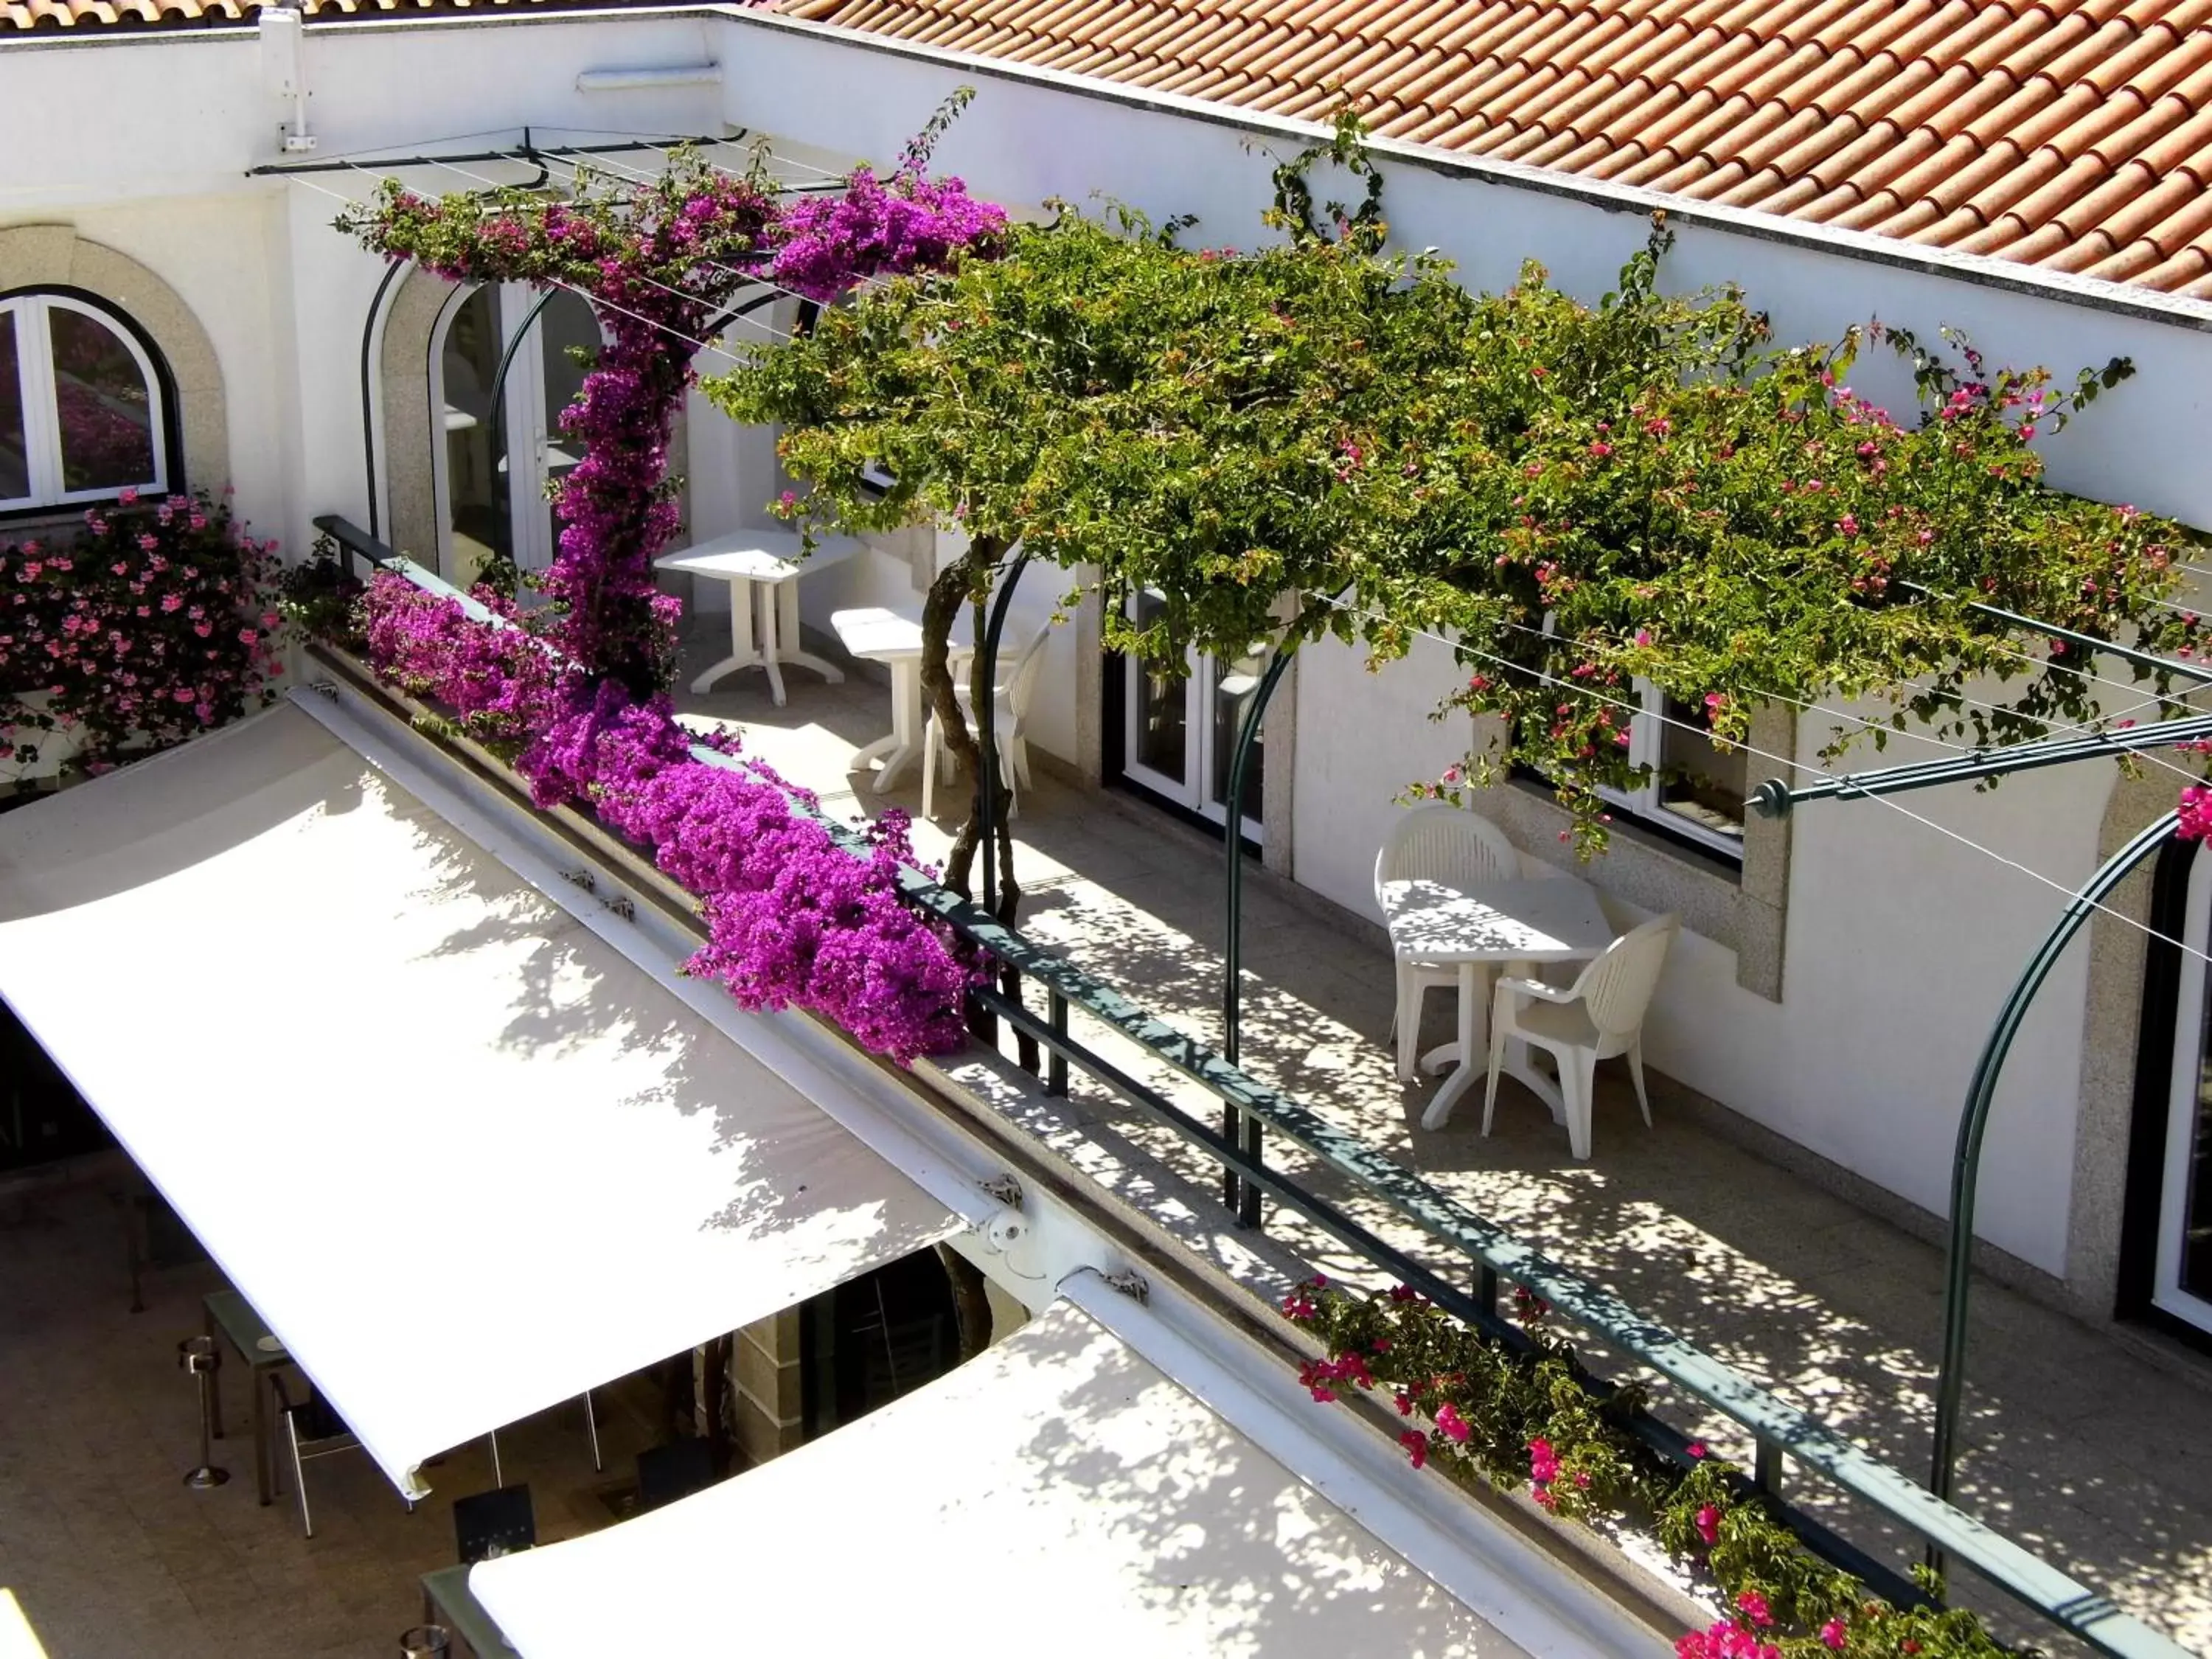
(1058, 1494)
(465, 1157)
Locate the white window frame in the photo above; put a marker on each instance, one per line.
(523, 426)
(2168, 1293)
(1194, 792)
(42, 432)
(1647, 731)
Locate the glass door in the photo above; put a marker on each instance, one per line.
(1180, 729)
(2182, 1275)
(498, 466)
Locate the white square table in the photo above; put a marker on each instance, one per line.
(877, 635)
(1519, 923)
(750, 561)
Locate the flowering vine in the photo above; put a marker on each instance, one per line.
(827, 246)
(1575, 496)
(158, 622)
(1522, 1419)
(660, 261)
(792, 918)
(657, 261)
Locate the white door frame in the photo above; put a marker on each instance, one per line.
(523, 427)
(2190, 1033)
(1193, 792)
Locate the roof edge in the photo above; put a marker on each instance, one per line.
(2147, 305)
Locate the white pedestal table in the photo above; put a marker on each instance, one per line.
(762, 567)
(1518, 923)
(876, 635)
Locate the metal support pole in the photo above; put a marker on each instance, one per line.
(987, 743)
(1239, 1126)
(1766, 1467)
(1973, 1121)
(1055, 1075)
(1775, 797)
(2088, 642)
(199, 1356)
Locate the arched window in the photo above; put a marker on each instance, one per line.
(82, 413)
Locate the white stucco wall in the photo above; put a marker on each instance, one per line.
(1900, 942)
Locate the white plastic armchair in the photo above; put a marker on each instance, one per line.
(1010, 709)
(1599, 1016)
(1447, 844)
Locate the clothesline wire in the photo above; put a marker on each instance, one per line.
(701, 345)
(645, 176)
(2051, 727)
(1949, 834)
(664, 288)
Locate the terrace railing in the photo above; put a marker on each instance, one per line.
(1489, 1255)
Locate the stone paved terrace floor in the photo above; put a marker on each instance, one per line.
(2095, 1453)
(111, 1556)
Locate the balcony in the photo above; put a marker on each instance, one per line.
(2085, 1446)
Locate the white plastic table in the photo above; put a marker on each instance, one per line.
(750, 561)
(877, 635)
(1519, 923)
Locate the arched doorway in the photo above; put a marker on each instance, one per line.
(496, 463)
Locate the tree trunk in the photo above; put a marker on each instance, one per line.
(970, 580)
(954, 585)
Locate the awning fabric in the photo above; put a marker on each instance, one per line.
(1056, 1495)
(464, 1158)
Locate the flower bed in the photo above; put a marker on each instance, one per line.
(158, 622)
(1481, 1411)
(792, 918)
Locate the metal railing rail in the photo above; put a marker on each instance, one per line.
(1776, 1428)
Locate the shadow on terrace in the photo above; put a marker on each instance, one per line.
(2091, 1454)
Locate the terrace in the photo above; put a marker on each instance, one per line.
(2087, 1446)
(2080, 1443)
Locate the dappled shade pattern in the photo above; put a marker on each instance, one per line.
(1060, 1482)
(430, 1108)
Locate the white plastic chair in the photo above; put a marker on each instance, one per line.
(1447, 844)
(1010, 709)
(1599, 1016)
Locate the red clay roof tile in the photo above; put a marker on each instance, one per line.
(2071, 134)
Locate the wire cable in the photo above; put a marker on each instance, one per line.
(1542, 678)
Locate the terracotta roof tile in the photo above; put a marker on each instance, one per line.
(2071, 134)
(131, 17)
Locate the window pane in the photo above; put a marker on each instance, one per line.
(1160, 740)
(1236, 683)
(14, 463)
(1697, 781)
(105, 406)
(476, 483)
(566, 326)
(2195, 1127)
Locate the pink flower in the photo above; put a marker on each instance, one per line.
(1697, 1448)
(2196, 812)
(1451, 1424)
(1417, 1446)
(1754, 1607)
(1831, 1635)
(1708, 1523)
(1543, 1463)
